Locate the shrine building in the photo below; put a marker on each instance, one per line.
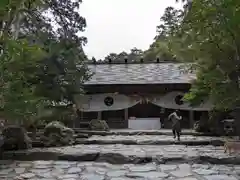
(138, 95)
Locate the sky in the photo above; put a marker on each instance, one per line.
(120, 25)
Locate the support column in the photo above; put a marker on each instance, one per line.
(126, 118)
(99, 115)
(236, 115)
(81, 116)
(191, 118)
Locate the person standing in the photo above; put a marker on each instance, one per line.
(176, 127)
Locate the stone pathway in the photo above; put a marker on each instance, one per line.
(139, 150)
(123, 154)
(150, 131)
(153, 138)
(116, 161)
(137, 132)
(64, 170)
(188, 140)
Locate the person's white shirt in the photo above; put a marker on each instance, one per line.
(175, 114)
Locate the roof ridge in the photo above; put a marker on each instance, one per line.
(137, 63)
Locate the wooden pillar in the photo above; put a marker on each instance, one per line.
(191, 118)
(99, 115)
(236, 115)
(74, 123)
(81, 116)
(126, 118)
(125, 114)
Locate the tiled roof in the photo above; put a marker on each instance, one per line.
(151, 73)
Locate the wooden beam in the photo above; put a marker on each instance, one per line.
(126, 117)
(191, 118)
(99, 115)
(126, 114)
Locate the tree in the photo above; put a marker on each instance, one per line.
(209, 37)
(171, 20)
(121, 56)
(215, 52)
(16, 93)
(55, 55)
(65, 62)
(161, 47)
(134, 56)
(112, 56)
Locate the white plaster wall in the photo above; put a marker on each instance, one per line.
(144, 124)
(95, 102)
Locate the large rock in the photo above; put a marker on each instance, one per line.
(56, 134)
(98, 125)
(53, 127)
(15, 138)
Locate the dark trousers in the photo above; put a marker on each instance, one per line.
(162, 121)
(176, 133)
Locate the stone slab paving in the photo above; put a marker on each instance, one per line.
(187, 131)
(140, 150)
(64, 170)
(136, 132)
(147, 138)
(118, 153)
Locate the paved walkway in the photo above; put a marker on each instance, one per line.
(124, 154)
(163, 162)
(146, 131)
(139, 150)
(63, 170)
(152, 140)
(142, 138)
(135, 132)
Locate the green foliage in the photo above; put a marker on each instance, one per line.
(62, 113)
(17, 62)
(207, 34)
(134, 55)
(17, 58)
(161, 47)
(40, 64)
(60, 78)
(63, 71)
(219, 50)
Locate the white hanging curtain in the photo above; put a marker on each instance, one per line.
(95, 102)
(168, 101)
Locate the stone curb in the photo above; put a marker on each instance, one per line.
(116, 158)
(130, 133)
(162, 142)
(37, 144)
(88, 133)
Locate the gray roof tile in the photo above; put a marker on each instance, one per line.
(155, 73)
